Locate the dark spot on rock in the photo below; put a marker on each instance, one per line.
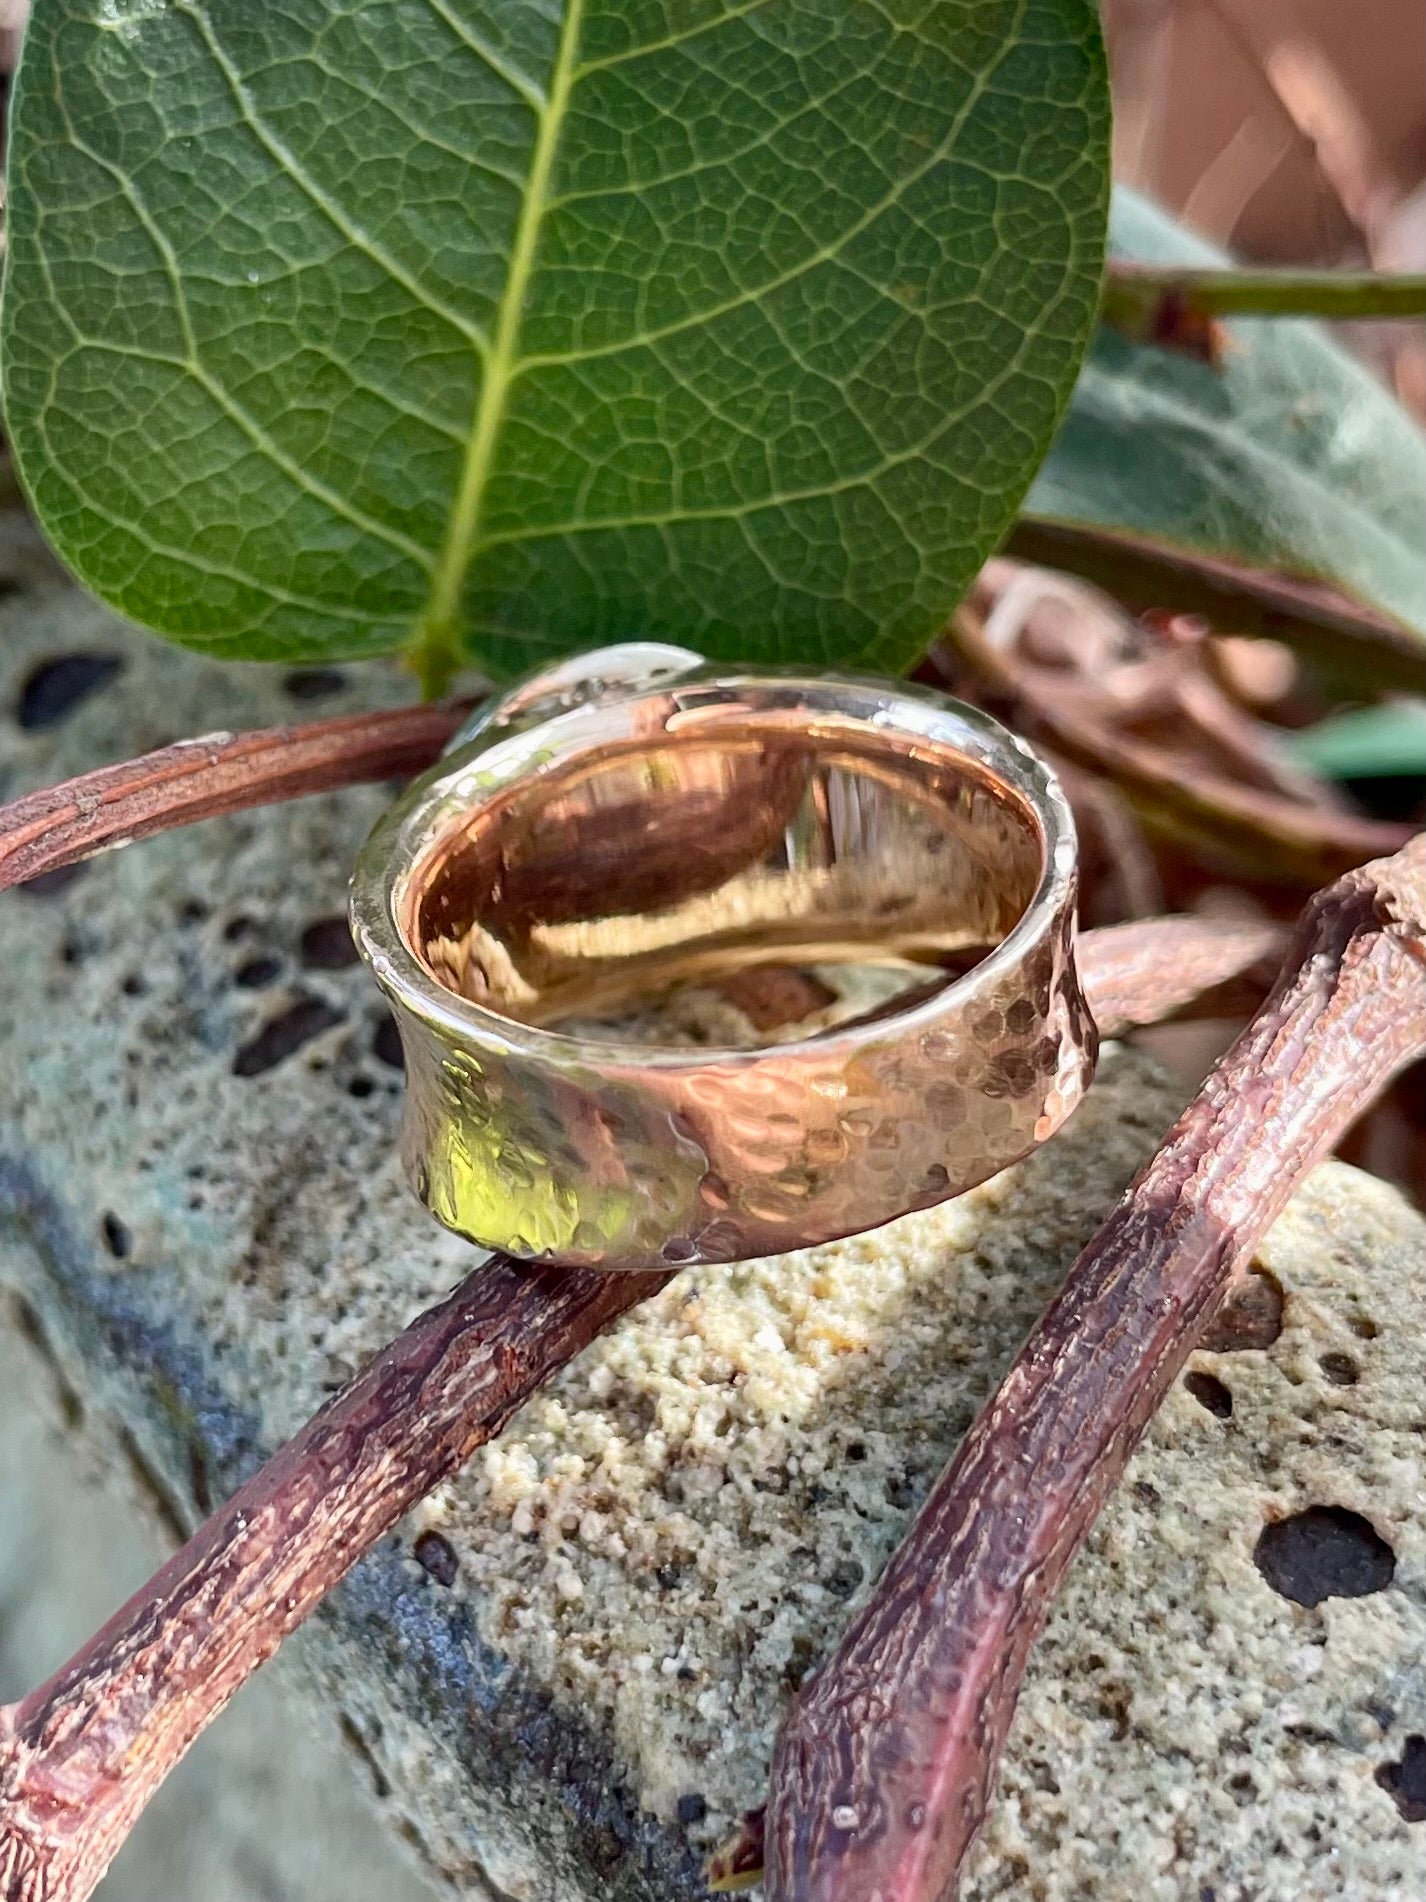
(192, 911)
(386, 1045)
(1146, 1494)
(326, 945)
(56, 687)
(1340, 1369)
(856, 1451)
(361, 1087)
(800, 1663)
(606, 1852)
(313, 683)
(1405, 1782)
(1209, 1391)
(1363, 1326)
(303, 1020)
(1324, 1552)
(437, 1556)
(117, 1238)
(51, 884)
(844, 1577)
(255, 974)
(237, 927)
(901, 1490)
(692, 1808)
(72, 950)
(380, 1783)
(1242, 1789)
(669, 1576)
(198, 1482)
(1250, 1316)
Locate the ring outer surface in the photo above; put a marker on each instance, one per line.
(626, 1157)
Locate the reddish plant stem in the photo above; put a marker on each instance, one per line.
(883, 1770)
(82, 1755)
(217, 773)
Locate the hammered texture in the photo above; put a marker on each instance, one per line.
(677, 834)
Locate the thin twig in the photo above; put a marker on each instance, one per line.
(1207, 778)
(1354, 642)
(882, 1773)
(1141, 300)
(81, 1756)
(217, 773)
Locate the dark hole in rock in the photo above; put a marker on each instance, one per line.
(255, 974)
(692, 1808)
(51, 884)
(1363, 1326)
(844, 1577)
(192, 911)
(669, 1576)
(56, 687)
(1250, 1316)
(1209, 1391)
(437, 1556)
(134, 985)
(117, 1238)
(386, 1045)
(237, 927)
(1242, 1789)
(361, 1087)
(1405, 1782)
(303, 1020)
(1324, 1552)
(72, 950)
(901, 1490)
(1340, 1369)
(326, 944)
(313, 683)
(856, 1450)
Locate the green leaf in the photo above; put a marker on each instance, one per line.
(1368, 743)
(1289, 456)
(504, 327)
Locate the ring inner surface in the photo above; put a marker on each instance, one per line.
(866, 862)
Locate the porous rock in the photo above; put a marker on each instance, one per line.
(568, 1667)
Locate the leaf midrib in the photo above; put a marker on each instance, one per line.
(435, 650)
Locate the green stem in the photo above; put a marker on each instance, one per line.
(1145, 301)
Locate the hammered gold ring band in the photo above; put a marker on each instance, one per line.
(640, 824)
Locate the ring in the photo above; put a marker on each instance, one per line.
(638, 825)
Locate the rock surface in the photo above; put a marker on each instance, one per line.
(568, 1667)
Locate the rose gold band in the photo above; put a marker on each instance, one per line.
(643, 822)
